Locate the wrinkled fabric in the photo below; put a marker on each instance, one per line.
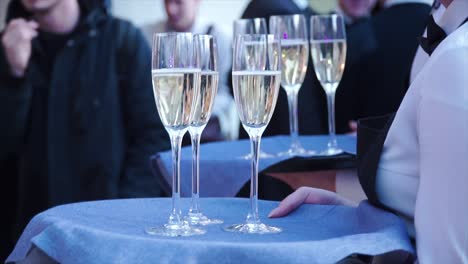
(112, 231)
(224, 168)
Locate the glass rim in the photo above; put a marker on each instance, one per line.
(201, 35)
(249, 19)
(325, 16)
(189, 68)
(258, 35)
(166, 34)
(287, 16)
(329, 40)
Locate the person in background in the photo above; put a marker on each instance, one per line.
(414, 163)
(385, 74)
(76, 104)
(182, 16)
(267, 8)
(361, 43)
(355, 10)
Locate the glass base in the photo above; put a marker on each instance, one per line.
(297, 152)
(258, 228)
(201, 219)
(261, 155)
(331, 152)
(173, 230)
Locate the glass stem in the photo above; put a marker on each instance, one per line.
(176, 216)
(293, 122)
(331, 120)
(252, 217)
(195, 136)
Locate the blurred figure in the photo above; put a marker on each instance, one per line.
(385, 74)
(354, 10)
(182, 16)
(267, 8)
(361, 43)
(76, 104)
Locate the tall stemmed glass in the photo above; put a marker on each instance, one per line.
(256, 80)
(292, 30)
(328, 48)
(176, 79)
(251, 26)
(206, 51)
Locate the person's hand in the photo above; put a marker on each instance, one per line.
(16, 42)
(352, 127)
(307, 195)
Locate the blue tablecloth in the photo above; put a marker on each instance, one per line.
(112, 232)
(222, 170)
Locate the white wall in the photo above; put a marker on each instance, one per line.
(141, 12)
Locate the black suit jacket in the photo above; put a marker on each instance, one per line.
(384, 74)
(361, 43)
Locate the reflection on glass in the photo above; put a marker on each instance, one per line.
(176, 79)
(292, 31)
(256, 89)
(245, 27)
(328, 50)
(206, 52)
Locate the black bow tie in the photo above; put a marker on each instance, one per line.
(435, 35)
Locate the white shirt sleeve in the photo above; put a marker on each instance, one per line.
(441, 214)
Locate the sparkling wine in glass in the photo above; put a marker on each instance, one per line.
(176, 79)
(255, 92)
(206, 52)
(328, 50)
(244, 27)
(292, 31)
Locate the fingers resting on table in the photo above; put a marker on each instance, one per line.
(307, 195)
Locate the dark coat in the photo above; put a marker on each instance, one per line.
(384, 75)
(102, 123)
(361, 43)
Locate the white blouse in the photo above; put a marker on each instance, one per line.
(423, 171)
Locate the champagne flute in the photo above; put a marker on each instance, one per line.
(328, 48)
(292, 31)
(206, 51)
(176, 77)
(251, 26)
(256, 81)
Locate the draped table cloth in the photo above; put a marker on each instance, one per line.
(112, 231)
(224, 168)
